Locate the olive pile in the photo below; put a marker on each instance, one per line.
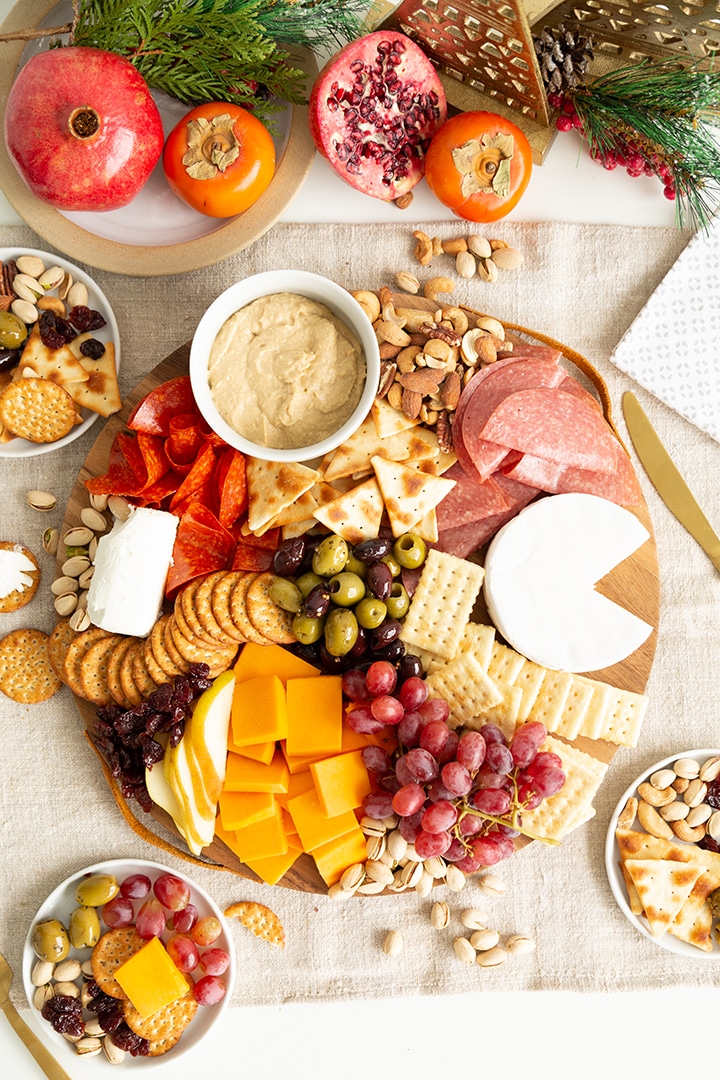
(347, 600)
(51, 941)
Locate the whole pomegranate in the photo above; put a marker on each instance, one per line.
(82, 128)
(373, 111)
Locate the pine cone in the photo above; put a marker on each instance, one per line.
(563, 56)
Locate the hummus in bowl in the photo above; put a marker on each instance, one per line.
(284, 365)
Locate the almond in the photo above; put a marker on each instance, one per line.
(450, 390)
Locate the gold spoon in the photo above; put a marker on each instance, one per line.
(44, 1058)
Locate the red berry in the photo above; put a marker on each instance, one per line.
(669, 192)
(563, 123)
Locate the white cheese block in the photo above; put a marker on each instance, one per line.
(131, 567)
(15, 570)
(540, 575)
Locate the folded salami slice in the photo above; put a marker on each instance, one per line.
(469, 500)
(550, 423)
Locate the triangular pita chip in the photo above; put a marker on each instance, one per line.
(58, 365)
(100, 392)
(663, 886)
(427, 527)
(419, 443)
(354, 455)
(388, 420)
(356, 514)
(302, 509)
(274, 485)
(694, 922)
(408, 495)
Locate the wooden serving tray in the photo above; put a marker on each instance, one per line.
(634, 584)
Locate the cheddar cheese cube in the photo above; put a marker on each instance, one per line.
(314, 716)
(241, 808)
(274, 867)
(351, 740)
(257, 660)
(151, 979)
(261, 840)
(298, 784)
(259, 712)
(333, 858)
(313, 827)
(257, 751)
(342, 782)
(243, 774)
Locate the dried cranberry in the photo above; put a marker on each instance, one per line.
(85, 318)
(54, 330)
(712, 797)
(135, 1045)
(709, 844)
(92, 348)
(64, 1014)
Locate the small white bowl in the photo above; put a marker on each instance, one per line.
(238, 296)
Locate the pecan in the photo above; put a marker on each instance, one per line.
(423, 381)
(450, 390)
(444, 333)
(9, 270)
(387, 377)
(5, 302)
(411, 403)
(443, 430)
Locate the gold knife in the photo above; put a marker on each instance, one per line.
(666, 478)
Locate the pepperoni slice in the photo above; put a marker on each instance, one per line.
(202, 545)
(232, 491)
(154, 413)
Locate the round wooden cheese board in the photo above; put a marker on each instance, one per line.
(634, 584)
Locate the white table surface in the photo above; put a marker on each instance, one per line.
(548, 1031)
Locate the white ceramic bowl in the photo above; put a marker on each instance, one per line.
(239, 295)
(59, 905)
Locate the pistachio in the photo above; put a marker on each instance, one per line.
(89, 1046)
(77, 295)
(493, 885)
(92, 549)
(336, 892)
(713, 825)
(51, 278)
(686, 768)
(113, 1053)
(27, 288)
(80, 536)
(41, 500)
(455, 879)
(64, 287)
(352, 877)
(710, 770)
(42, 995)
(32, 265)
(372, 827)
(94, 1027)
(464, 950)
(519, 945)
(698, 815)
(79, 621)
(375, 846)
(378, 871)
(371, 888)
(663, 778)
(484, 939)
(68, 970)
(86, 577)
(119, 507)
(66, 604)
(492, 958)
(93, 519)
(439, 915)
(674, 811)
(396, 845)
(86, 994)
(479, 246)
(82, 599)
(75, 566)
(42, 972)
(67, 989)
(474, 919)
(424, 884)
(508, 258)
(25, 311)
(465, 264)
(407, 282)
(487, 270)
(435, 867)
(393, 943)
(99, 502)
(87, 968)
(63, 585)
(680, 785)
(51, 539)
(696, 792)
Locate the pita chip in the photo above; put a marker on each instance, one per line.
(388, 420)
(419, 443)
(356, 514)
(663, 886)
(100, 391)
(273, 486)
(409, 495)
(354, 455)
(58, 365)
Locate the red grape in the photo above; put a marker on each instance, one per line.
(490, 849)
(214, 961)
(413, 693)
(434, 736)
(429, 845)
(409, 729)
(410, 826)
(535, 730)
(449, 750)
(471, 750)
(422, 765)
(150, 920)
(378, 805)
(434, 709)
(495, 801)
(545, 759)
(488, 778)
(492, 734)
(439, 817)
(499, 759)
(408, 800)
(135, 886)
(437, 791)
(387, 709)
(547, 782)
(209, 990)
(403, 773)
(354, 685)
(523, 749)
(185, 918)
(362, 721)
(171, 891)
(376, 759)
(118, 912)
(184, 953)
(206, 930)
(381, 678)
(456, 778)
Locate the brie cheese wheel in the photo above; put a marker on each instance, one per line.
(540, 575)
(131, 567)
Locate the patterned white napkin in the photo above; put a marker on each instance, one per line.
(673, 347)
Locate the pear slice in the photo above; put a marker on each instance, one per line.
(160, 791)
(199, 829)
(207, 734)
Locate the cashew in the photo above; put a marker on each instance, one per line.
(436, 285)
(390, 331)
(369, 302)
(456, 317)
(389, 314)
(415, 318)
(486, 322)
(424, 248)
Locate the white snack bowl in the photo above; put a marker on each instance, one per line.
(59, 905)
(242, 293)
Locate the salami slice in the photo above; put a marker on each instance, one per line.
(620, 486)
(550, 423)
(468, 500)
(572, 386)
(185, 440)
(153, 414)
(202, 545)
(541, 473)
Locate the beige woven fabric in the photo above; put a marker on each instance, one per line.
(581, 284)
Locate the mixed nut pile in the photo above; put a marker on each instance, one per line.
(682, 801)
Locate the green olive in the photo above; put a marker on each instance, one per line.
(285, 594)
(331, 556)
(50, 941)
(341, 631)
(410, 551)
(370, 612)
(395, 567)
(307, 582)
(13, 331)
(84, 928)
(355, 565)
(96, 890)
(307, 630)
(346, 589)
(398, 601)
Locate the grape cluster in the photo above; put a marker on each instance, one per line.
(126, 737)
(459, 794)
(627, 155)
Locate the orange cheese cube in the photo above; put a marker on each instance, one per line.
(342, 782)
(274, 867)
(298, 784)
(257, 660)
(351, 740)
(262, 840)
(150, 978)
(259, 713)
(313, 827)
(243, 774)
(333, 858)
(241, 808)
(314, 716)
